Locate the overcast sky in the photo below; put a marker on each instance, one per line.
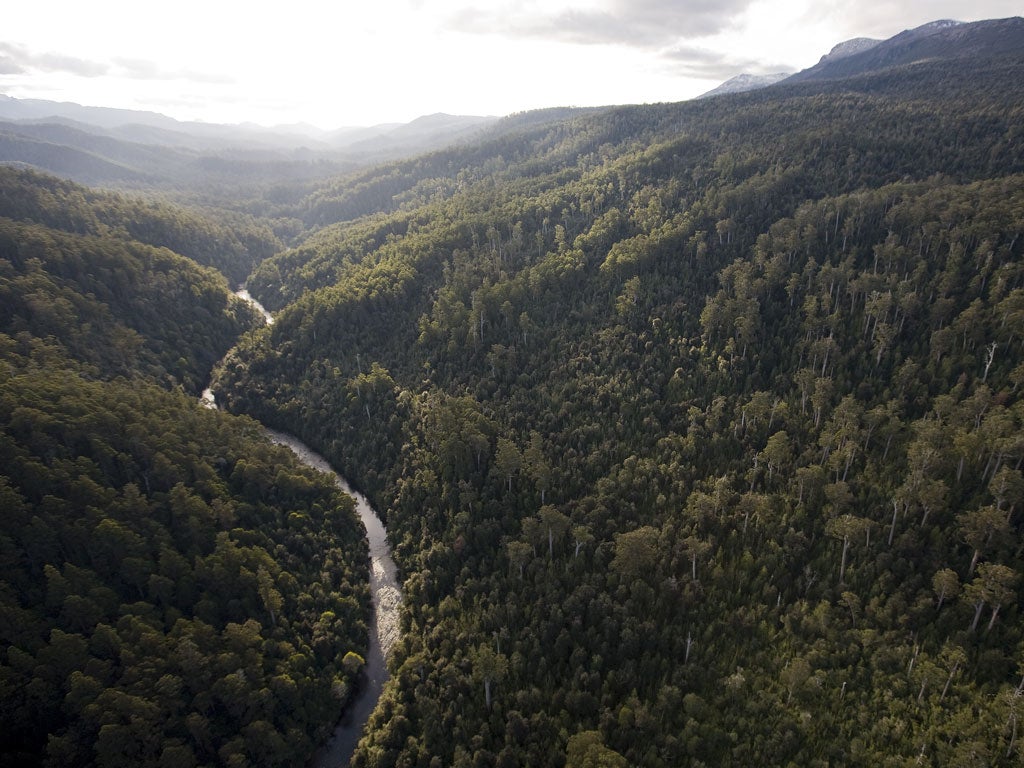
(361, 62)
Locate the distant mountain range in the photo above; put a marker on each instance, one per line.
(155, 128)
(105, 146)
(945, 39)
(120, 147)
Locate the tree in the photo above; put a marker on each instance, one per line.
(581, 536)
(992, 586)
(587, 750)
(844, 528)
(946, 585)
(507, 460)
(796, 673)
(488, 667)
(953, 657)
(777, 453)
(519, 554)
(536, 465)
(979, 528)
(695, 548)
(555, 524)
(1007, 488)
(932, 496)
(636, 552)
(269, 594)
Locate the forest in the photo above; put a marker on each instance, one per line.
(697, 426)
(174, 589)
(697, 429)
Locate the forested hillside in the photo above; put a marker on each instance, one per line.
(230, 243)
(697, 426)
(174, 590)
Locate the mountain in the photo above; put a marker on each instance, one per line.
(698, 427)
(940, 40)
(143, 156)
(849, 48)
(745, 82)
(428, 131)
(97, 145)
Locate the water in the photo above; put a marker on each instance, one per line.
(384, 590)
(207, 398)
(387, 600)
(242, 293)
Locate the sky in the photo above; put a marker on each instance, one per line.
(340, 63)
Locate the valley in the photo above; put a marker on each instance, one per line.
(696, 429)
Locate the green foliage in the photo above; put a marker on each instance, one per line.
(587, 750)
(695, 414)
(171, 580)
(175, 590)
(230, 243)
(697, 428)
(89, 276)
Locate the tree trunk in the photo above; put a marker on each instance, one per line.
(977, 615)
(949, 680)
(974, 562)
(1013, 733)
(892, 528)
(842, 565)
(992, 621)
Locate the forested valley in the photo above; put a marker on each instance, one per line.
(174, 590)
(697, 428)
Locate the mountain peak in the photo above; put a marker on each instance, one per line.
(944, 39)
(849, 48)
(745, 82)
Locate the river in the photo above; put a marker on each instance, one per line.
(387, 598)
(384, 589)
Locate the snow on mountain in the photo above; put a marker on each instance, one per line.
(745, 82)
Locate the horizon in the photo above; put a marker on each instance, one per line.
(412, 58)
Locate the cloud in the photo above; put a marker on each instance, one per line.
(16, 59)
(21, 60)
(143, 69)
(647, 24)
(8, 66)
(706, 64)
(884, 18)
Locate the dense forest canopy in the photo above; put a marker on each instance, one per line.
(174, 590)
(230, 243)
(697, 426)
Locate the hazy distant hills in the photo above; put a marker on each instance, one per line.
(119, 147)
(154, 128)
(99, 145)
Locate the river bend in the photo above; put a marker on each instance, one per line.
(387, 598)
(384, 590)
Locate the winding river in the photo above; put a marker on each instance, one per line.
(384, 589)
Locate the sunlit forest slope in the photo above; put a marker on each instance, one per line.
(697, 426)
